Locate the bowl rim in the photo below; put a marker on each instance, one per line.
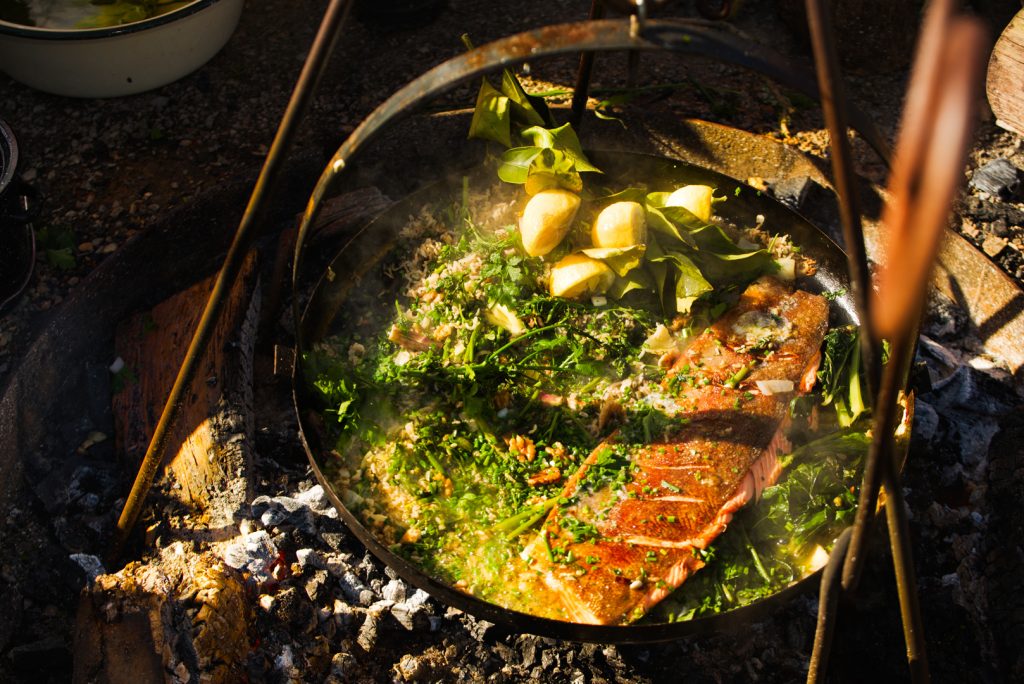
(8, 28)
(8, 156)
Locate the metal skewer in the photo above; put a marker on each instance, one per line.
(312, 70)
(582, 90)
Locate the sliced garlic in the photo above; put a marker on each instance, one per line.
(818, 559)
(787, 269)
(620, 224)
(770, 387)
(546, 220)
(578, 274)
(694, 198)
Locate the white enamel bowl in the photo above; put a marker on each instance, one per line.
(119, 60)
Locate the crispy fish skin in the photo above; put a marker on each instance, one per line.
(612, 553)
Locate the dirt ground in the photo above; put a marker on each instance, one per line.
(108, 170)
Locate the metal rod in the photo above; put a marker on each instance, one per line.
(637, 21)
(833, 103)
(632, 68)
(914, 137)
(828, 602)
(887, 419)
(834, 107)
(312, 70)
(582, 90)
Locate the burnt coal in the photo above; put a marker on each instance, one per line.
(986, 211)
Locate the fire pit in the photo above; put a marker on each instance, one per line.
(324, 607)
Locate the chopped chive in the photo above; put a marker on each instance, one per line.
(738, 376)
(757, 564)
(547, 545)
(670, 487)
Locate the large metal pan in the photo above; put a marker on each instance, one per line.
(327, 306)
(331, 307)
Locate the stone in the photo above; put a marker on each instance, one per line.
(999, 178)
(342, 665)
(293, 610)
(411, 669)
(394, 590)
(92, 565)
(299, 511)
(354, 590)
(308, 558)
(315, 584)
(367, 637)
(993, 245)
(999, 228)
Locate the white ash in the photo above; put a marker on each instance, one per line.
(255, 553)
(296, 511)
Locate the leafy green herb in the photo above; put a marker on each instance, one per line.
(738, 377)
(833, 295)
(610, 468)
(515, 525)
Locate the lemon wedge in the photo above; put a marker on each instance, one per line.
(546, 220)
(577, 274)
(620, 224)
(694, 198)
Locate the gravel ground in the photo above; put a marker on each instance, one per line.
(110, 169)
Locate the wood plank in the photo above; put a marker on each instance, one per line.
(1005, 81)
(180, 616)
(209, 453)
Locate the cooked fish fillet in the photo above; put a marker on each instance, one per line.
(638, 513)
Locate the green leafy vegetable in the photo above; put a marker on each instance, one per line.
(839, 376)
(491, 120)
(562, 139)
(622, 260)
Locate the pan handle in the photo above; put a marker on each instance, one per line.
(695, 37)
